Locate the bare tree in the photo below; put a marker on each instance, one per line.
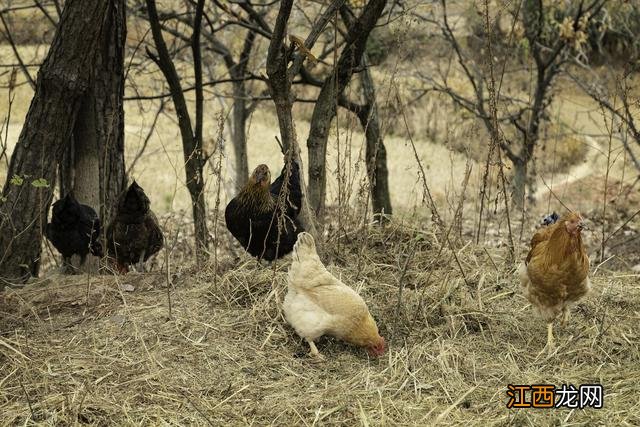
(64, 86)
(251, 19)
(617, 102)
(281, 77)
(332, 88)
(237, 71)
(375, 152)
(552, 49)
(191, 135)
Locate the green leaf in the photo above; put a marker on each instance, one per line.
(40, 183)
(16, 180)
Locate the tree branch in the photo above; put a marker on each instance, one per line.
(23, 68)
(197, 70)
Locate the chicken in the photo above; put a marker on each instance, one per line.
(319, 304)
(133, 235)
(265, 228)
(555, 272)
(74, 230)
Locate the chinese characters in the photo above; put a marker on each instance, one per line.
(548, 396)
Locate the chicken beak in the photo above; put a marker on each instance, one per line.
(377, 350)
(582, 226)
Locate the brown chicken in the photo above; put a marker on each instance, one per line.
(319, 304)
(134, 234)
(555, 272)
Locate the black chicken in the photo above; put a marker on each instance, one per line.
(74, 230)
(134, 234)
(252, 216)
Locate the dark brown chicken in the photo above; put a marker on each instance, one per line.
(266, 229)
(134, 234)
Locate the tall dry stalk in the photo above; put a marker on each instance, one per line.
(609, 128)
(496, 135)
(340, 172)
(426, 192)
(216, 211)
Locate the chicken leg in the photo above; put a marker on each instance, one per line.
(550, 342)
(67, 266)
(565, 316)
(314, 350)
(140, 266)
(550, 346)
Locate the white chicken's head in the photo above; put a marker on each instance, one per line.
(378, 348)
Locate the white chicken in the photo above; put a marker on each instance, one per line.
(319, 304)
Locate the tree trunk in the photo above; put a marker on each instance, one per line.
(191, 142)
(323, 114)
(98, 138)
(280, 89)
(238, 134)
(325, 108)
(86, 168)
(62, 82)
(375, 153)
(107, 99)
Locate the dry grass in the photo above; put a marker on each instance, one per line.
(93, 352)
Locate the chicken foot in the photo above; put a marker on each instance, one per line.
(550, 346)
(314, 350)
(550, 341)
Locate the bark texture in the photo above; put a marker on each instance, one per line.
(98, 137)
(62, 84)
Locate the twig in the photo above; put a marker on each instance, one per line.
(426, 193)
(216, 210)
(168, 277)
(147, 138)
(24, 390)
(606, 177)
(622, 226)
(9, 38)
(555, 196)
(496, 135)
(401, 278)
(280, 144)
(197, 408)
